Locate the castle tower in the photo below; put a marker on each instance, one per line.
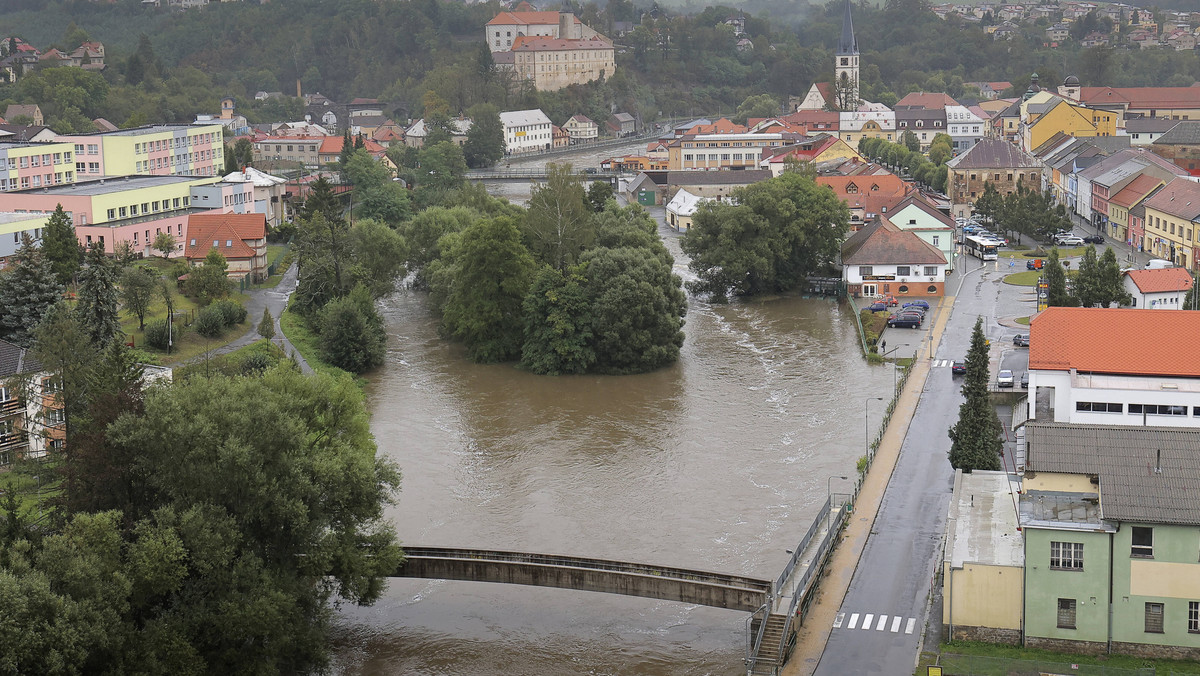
(846, 64)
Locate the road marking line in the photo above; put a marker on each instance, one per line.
(854, 621)
(837, 623)
(908, 628)
(867, 620)
(882, 621)
(895, 624)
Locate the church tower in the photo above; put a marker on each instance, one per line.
(845, 67)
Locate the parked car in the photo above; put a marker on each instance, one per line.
(1025, 380)
(1094, 239)
(890, 300)
(1004, 379)
(1021, 340)
(878, 306)
(1034, 264)
(909, 321)
(924, 305)
(958, 368)
(1070, 240)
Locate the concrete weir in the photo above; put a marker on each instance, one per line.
(599, 575)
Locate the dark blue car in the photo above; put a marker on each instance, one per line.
(878, 306)
(917, 303)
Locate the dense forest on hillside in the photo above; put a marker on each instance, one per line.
(169, 65)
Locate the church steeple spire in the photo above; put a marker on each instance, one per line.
(847, 45)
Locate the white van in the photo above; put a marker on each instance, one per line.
(1159, 264)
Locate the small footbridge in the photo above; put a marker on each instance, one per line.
(775, 606)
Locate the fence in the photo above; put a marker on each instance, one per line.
(976, 665)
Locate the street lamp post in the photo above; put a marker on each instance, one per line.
(829, 497)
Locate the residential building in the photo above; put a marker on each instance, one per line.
(1159, 289)
(857, 125)
(965, 128)
(1091, 207)
(331, 151)
(581, 129)
(992, 90)
(1110, 528)
(32, 421)
(1144, 131)
(1181, 144)
(1111, 177)
(1114, 367)
(1173, 223)
(130, 208)
(304, 150)
(414, 136)
(159, 150)
(1176, 103)
(681, 208)
(1121, 206)
(818, 148)
(1045, 114)
(13, 226)
(916, 214)
(624, 124)
(883, 259)
(717, 185)
(502, 31)
(923, 114)
(723, 151)
(27, 110)
(1057, 33)
(268, 193)
(867, 195)
(34, 165)
(559, 137)
(26, 133)
(240, 238)
(525, 131)
(993, 161)
(553, 63)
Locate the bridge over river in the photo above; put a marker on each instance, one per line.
(770, 630)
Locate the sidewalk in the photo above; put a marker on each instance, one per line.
(831, 590)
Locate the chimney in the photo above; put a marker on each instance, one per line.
(298, 94)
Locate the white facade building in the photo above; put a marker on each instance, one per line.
(965, 128)
(525, 131)
(1161, 289)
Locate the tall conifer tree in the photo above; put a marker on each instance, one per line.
(28, 288)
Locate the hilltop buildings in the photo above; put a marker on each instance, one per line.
(549, 49)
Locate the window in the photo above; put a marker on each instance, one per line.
(57, 416)
(1098, 406)
(1154, 618)
(936, 238)
(1142, 544)
(1194, 617)
(1157, 409)
(1066, 556)
(903, 270)
(931, 270)
(1066, 613)
(864, 270)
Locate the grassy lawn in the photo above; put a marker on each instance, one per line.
(187, 343)
(33, 483)
(264, 352)
(305, 341)
(1041, 252)
(276, 253)
(1022, 320)
(1027, 278)
(957, 648)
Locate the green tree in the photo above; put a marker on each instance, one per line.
(598, 194)
(975, 438)
(425, 231)
(378, 254)
(139, 288)
(1056, 282)
(442, 166)
(990, 204)
(266, 327)
(164, 243)
(777, 233)
(558, 332)
(388, 202)
(558, 226)
(910, 141)
(28, 289)
(352, 333)
(491, 271)
(1086, 287)
(97, 306)
(323, 259)
(1110, 286)
(61, 247)
(321, 199)
(761, 105)
(365, 171)
(940, 152)
(485, 138)
(209, 281)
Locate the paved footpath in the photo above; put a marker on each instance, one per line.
(813, 635)
(275, 299)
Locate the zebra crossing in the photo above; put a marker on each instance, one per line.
(941, 363)
(874, 622)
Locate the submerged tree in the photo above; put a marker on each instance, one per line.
(975, 438)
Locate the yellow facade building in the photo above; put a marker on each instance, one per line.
(554, 63)
(1172, 225)
(1044, 114)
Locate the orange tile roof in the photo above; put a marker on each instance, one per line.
(1116, 340)
(526, 18)
(1137, 189)
(884, 243)
(1142, 97)
(872, 192)
(537, 43)
(332, 145)
(1159, 281)
(230, 231)
(925, 100)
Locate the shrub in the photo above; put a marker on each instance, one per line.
(210, 322)
(231, 313)
(257, 362)
(156, 334)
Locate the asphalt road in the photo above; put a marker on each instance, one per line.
(885, 611)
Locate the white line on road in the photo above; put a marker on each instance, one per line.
(908, 628)
(837, 623)
(867, 620)
(882, 621)
(854, 621)
(895, 624)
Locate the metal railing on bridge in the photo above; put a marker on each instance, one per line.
(505, 173)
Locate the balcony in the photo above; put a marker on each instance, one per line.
(13, 441)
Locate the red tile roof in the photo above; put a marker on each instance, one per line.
(1180, 197)
(526, 18)
(204, 229)
(537, 43)
(1142, 97)
(1137, 189)
(1116, 340)
(926, 101)
(332, 145)
(870, 193)
(1162, 280)
(884, 243)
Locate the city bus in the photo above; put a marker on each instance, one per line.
(981, 247)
